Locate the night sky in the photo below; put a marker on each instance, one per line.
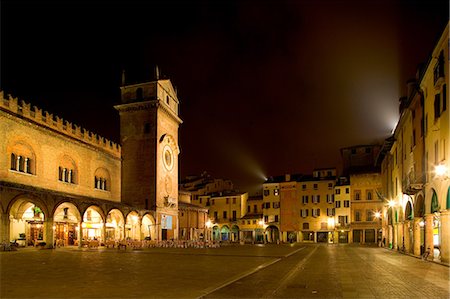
(266, 87)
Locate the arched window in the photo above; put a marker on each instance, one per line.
(23, 158)
(67, 171)
(102, 179)
(13, 162)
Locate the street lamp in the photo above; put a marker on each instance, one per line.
(377, 215)
(391, 203)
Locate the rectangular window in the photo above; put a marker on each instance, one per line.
(266, 219)
(315, 212)
(276, 192)
(330, 198)
(306, 225)
(437, 106)
(338, 191)
(305, 199)
(227, 200)
(337, 203)
(248, 209)
(316, 199)
(346, 203)
(347, 190)
(304, 213)
(330, 185)
(255, 209)
(267, 205)
(330, 211)
(234, 215)
(343, 220)
(436, 152)
(369, 195)
(276, 205)
(276, 218)
(212, 202)
(357, 215)
(369, 215)
(315, 186)
(215, 215)
(266, 192)
(357, 194)
(234, 200)
(224, 214)
(304, 186)
(200, 200)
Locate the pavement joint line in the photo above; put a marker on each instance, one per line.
(238, 277)
(288, 277)
(294, 252)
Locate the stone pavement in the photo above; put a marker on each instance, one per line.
(283, 271)
(110, 273)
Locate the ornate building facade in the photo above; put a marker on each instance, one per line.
(61, 184)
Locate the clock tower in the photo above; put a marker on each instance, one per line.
(149, 125)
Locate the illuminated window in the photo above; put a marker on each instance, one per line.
(276, 192)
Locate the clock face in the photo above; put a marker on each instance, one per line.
(168, 157)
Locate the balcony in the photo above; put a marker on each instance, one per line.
(412, 184)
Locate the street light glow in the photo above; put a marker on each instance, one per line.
(391, 203)
(377, 214)
(440, 170)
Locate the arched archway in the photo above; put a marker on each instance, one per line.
(272, 234)
(93, 224)
(66, 219)
(235, 233)
(115, 224)
(132, 226)
(216, 233)
(419, 207)
(148, 227)
(225, 233)
(27, 222)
